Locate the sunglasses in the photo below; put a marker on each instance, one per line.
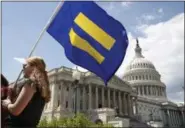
(24, 66)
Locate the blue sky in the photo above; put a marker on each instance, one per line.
(22, 23)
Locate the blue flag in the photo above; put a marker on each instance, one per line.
(91, 38)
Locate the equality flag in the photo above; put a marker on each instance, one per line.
(90, 37)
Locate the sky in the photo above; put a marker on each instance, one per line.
(159, 26)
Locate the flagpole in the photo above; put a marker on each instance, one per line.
(41, 34)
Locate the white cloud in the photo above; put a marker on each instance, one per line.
(163, 44)
(141, 27)
(160, 10)
(147, 17)
(126, 3)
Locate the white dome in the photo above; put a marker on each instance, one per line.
(140, 63)
(142, 75)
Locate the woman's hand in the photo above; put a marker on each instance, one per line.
(6, 102)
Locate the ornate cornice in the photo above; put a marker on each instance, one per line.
(146, 82)
(141, 70)
(65, 74)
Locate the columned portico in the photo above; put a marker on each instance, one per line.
(97, 97)
(109, 101)
(103, 97)
(78, 99)
(120, 105)
(114, 98)
(183, 117)
(169, 117)
(128, 105)
(131, 105)
(125, 104)
(70, 94)
(84, 98)
(90, 97)
(62, 95)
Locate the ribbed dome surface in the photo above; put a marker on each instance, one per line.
(140, 63)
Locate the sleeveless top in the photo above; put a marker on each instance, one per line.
(30, 116)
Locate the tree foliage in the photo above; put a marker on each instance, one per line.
(80, 120)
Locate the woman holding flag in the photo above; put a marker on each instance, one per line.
(4, 92)
(4, 87)
(26, 106)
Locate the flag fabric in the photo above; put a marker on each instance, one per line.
(90, 37)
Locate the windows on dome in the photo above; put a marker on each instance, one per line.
(141, 91)
(149, 91)
(144, 90)
(66, 104)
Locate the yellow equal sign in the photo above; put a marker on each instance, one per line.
(94, 31)
(82, 44)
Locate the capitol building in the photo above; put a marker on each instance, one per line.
(138, 99)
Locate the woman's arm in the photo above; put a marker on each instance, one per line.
(22, 100)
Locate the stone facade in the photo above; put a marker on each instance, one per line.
(91, 93)
(139, 95)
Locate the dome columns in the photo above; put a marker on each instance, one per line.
(150, 90)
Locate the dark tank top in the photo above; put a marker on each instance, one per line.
(30, 116)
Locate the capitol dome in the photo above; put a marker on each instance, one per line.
(143, 76)
(140, 63)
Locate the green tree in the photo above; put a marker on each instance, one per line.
(53, 122)
(43, 122)
(80, 120)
